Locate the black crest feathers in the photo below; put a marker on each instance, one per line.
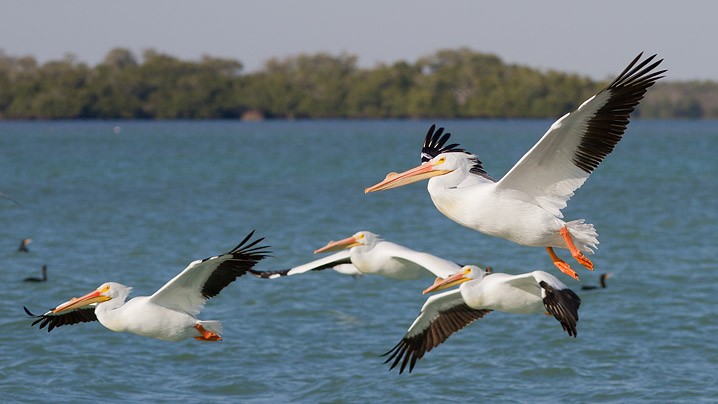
(434, 144)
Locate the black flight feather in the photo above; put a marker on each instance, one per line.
(608, 124)
(49, 320)
(563, 304)
(234, 264)
(412, 348)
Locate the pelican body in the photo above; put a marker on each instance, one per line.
(479, 294)
(368, 254)
(170, 313)
(525, 205)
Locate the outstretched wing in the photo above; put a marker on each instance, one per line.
(576, 144)
(51, 320)
(442, 315)
(563, 304)
(340, 258)
(204, 279)
(436, 265)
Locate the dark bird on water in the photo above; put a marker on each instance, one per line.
(601, 280)
(36, 279)
(23, 245)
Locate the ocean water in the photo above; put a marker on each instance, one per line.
(137, 206)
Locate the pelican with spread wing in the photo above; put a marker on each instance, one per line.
(168, 314)
(479, 294)
(366, 253)
(525, 205)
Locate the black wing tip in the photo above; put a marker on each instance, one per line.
(401, 353)
(563, 304)
(269, 274)
(607, 126)
(42, 319)
(639, 73)
(251, 248)
(237, 262)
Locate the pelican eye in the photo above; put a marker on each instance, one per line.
(441, 160)
(105, 289)
(360, 236)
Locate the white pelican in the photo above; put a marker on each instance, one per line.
(36, 279)
(601, 281)
(479, 294)
(370, 254)
(169, 314)
(525, 205)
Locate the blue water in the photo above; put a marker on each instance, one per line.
(137, 206)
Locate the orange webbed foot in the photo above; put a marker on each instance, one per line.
(584, 261)
(575, 252)
(565, 268)
(211, 338)
(206, 335)
(561, 264)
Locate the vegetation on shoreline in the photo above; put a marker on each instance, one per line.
(457, 83)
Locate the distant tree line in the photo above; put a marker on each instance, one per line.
(457, 83)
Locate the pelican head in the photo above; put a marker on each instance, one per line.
(465, 274)
(359, 239)
(106, 291)
(442, 164)
(438, 159)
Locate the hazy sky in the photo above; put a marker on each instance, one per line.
(595, 38)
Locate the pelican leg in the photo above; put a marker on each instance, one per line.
(561, 264)
(578, 255)
(206, 335)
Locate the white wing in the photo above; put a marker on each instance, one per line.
(441, 316)
(339, 260)
(203, 279)
(348, 269)
(576, 144)
(436, 265)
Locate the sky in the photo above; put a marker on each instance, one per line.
(595, 39)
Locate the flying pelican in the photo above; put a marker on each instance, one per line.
(479, 294)
(169, 314)
(370, 254)
(35, 279)
(601, 280)
(525, 205)
(23, 245)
